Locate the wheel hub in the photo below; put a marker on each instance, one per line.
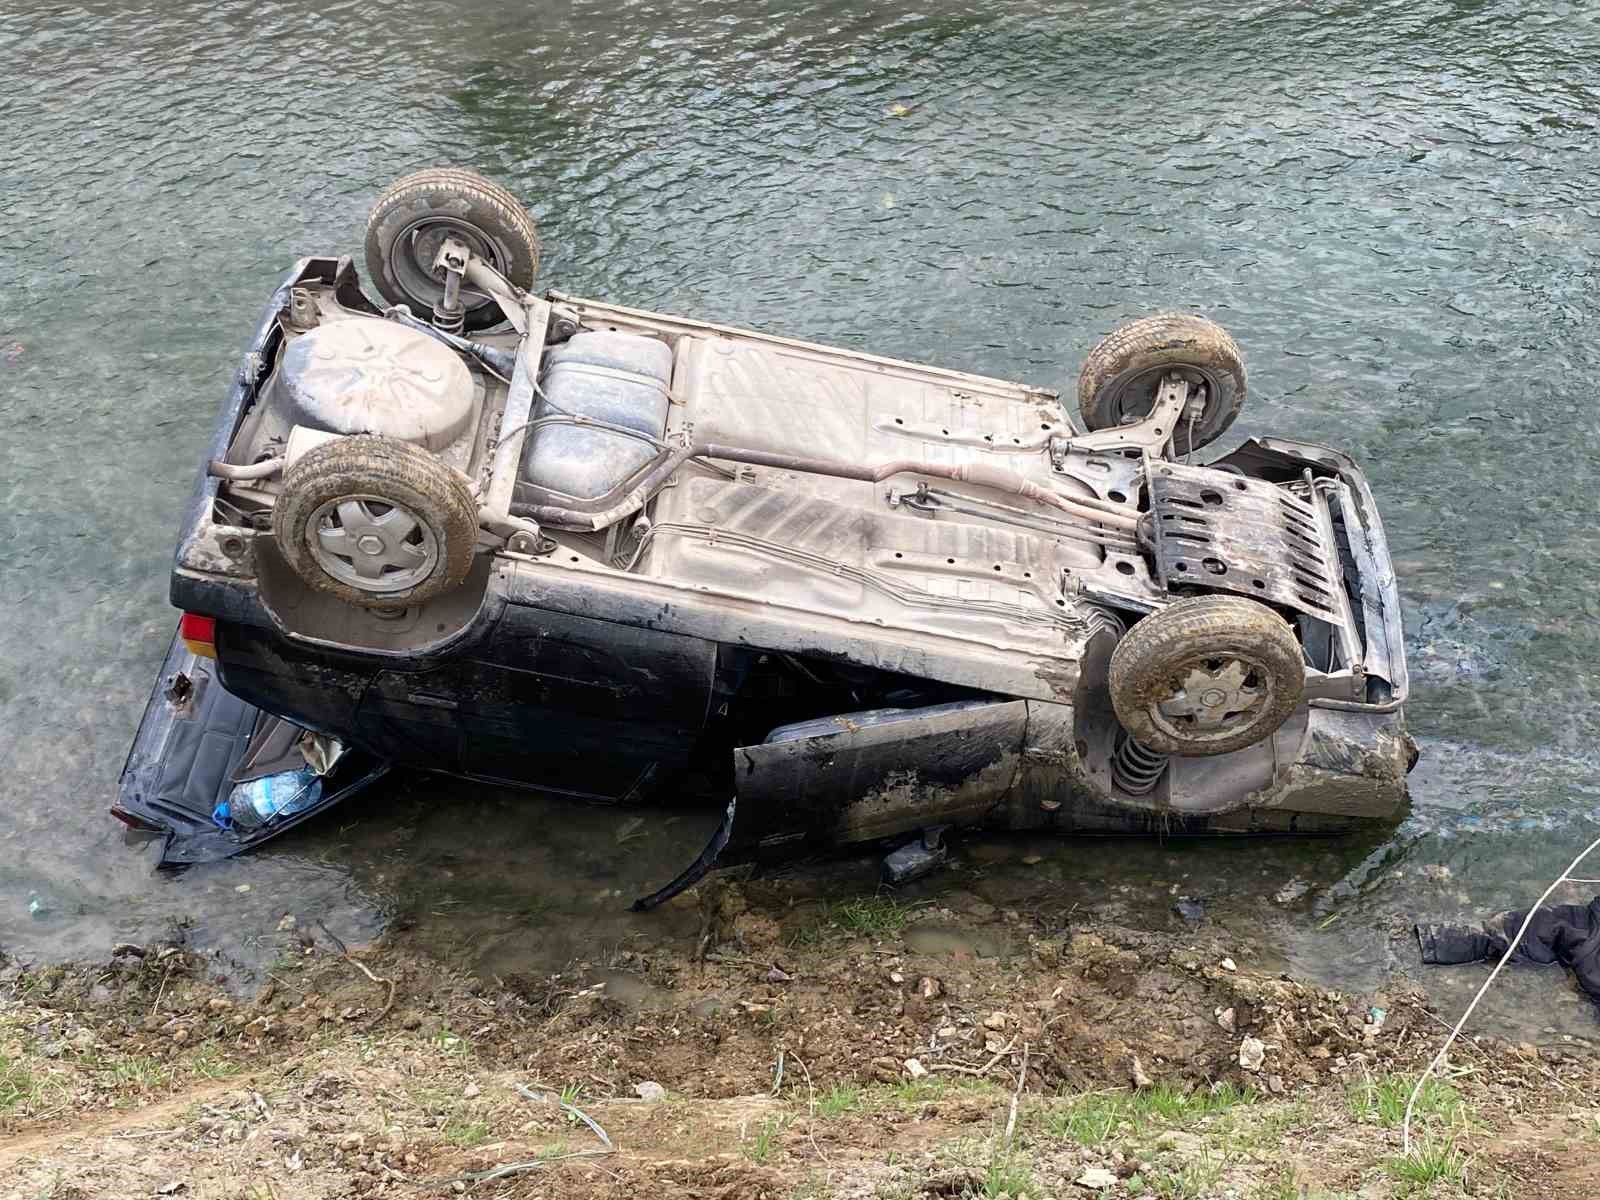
(372, 543)
(1213, 698)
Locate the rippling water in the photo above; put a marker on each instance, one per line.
(1393, 206)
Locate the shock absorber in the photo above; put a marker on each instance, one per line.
(1136, 768)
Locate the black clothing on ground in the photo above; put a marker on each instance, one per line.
(1568, 934)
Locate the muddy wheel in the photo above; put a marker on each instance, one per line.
(1206, 676)
(376, 521)
(411, 220)
(1119, 379)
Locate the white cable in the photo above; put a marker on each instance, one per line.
(1438, 1058)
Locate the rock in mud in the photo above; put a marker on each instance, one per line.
(1137, 1074)
(1096, 1179)
(650, 1091)
(915, 1069)
(1191, 910)
(1225, 1020)
(1252, 1053)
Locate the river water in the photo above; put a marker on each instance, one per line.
(1392, 205)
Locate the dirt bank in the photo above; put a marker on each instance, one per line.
(790, 1049)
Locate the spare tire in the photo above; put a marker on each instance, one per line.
(411, 220)
(1208, 675)
(1120, 377)
(376, 521)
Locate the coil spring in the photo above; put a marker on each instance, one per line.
(448, 321)
(1136, 768)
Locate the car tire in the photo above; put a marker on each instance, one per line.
(411, 218)
(1207, 675)
(376, 522)
(1119, 378)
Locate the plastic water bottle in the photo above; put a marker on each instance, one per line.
(257, 802)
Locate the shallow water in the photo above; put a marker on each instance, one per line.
(1391, 205)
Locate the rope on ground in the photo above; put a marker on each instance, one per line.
(1438, 1059)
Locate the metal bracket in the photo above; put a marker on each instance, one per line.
(1152, 432)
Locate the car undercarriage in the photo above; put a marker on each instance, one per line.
(624, 556)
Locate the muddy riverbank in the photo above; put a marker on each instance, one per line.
(771, 1044)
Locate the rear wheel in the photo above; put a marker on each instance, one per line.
(412, 219)
(376, 521)
(1120, 377)
(1206, 676)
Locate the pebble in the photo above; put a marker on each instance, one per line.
(1229, 965)
(650, 1091)
(1225, 1020)
(471, 1092)
(1291, 891)
(929, 988)
(242, 888)
(915, 1069)
(1096, 1179)
(288, 922)
(1252, 1053)
(995, 1020)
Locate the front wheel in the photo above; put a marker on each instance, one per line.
(1122, 374)
(1206, 676)
(412, 219)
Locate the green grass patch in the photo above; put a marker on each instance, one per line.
(1087, 1120)
(838, 1100)
(873, 916)
(1382, 1101)
(137, 1071)
(1008, 1176)
(763, 1140)
(1177, 1105)
(1093, 1119)
(909, 1093)
(17, 1084)
(210, 1062)
(466, 1133)
(1430, 1161)
(1195, 1180)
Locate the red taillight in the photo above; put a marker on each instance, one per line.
(199, 634)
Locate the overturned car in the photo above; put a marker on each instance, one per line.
(619, 555)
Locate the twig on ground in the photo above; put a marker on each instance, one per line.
(552, 1098)
(344, 951)
(501, 1172)
(777, 1075)
(1540, 1067)
(811, 1109)
(983, 1070)
(362, 967)
(162, 990)
(1022, 1076)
